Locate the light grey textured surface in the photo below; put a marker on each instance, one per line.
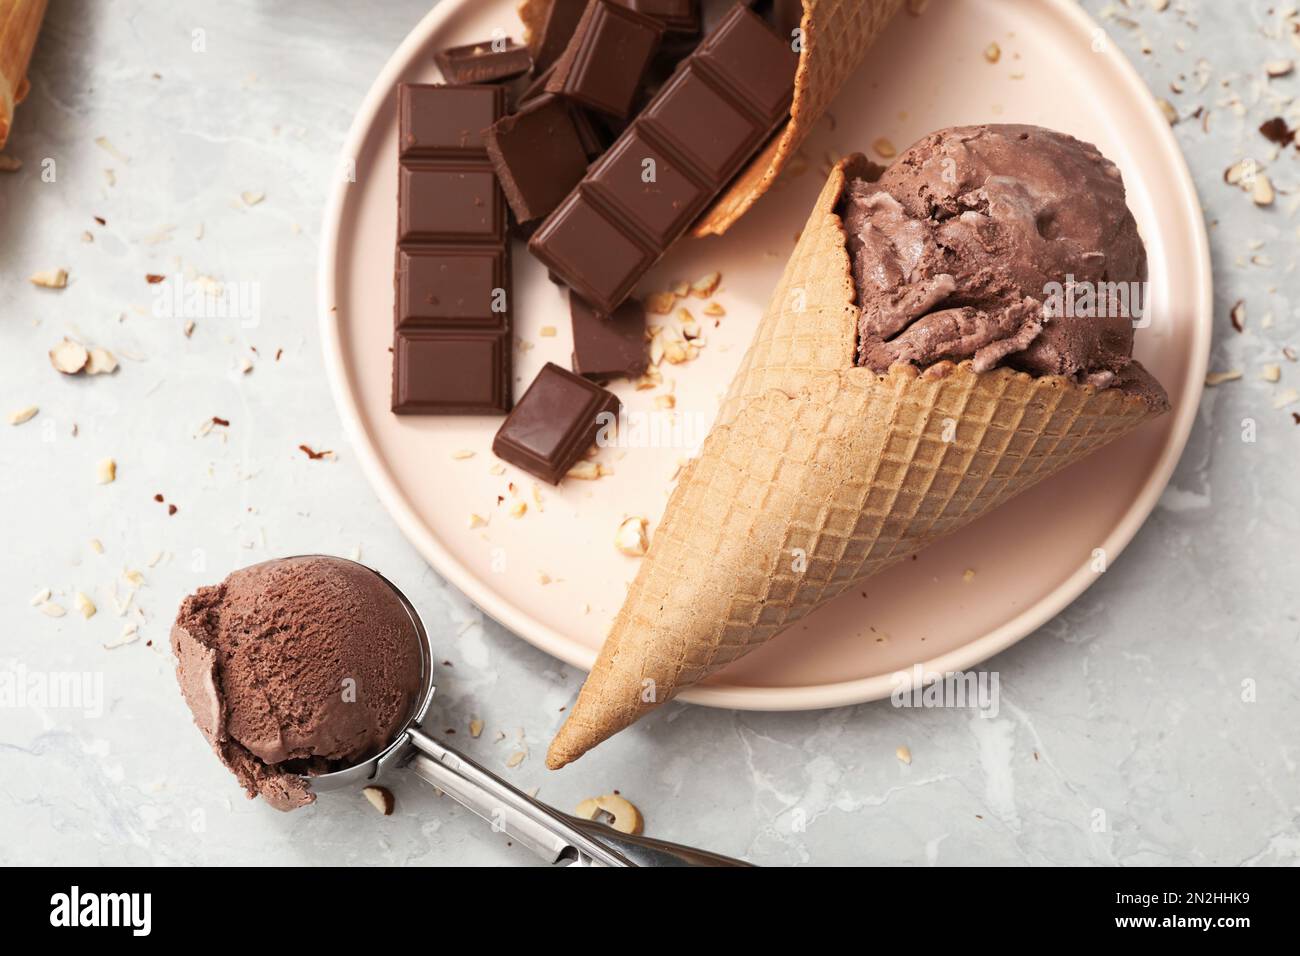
(1123, 736)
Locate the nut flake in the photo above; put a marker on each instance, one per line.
(105, 471)
(660, 303)
(631, 537)
(904, 754)
(69, 357)
(475, 728)
(101, 362)
(626, 817)
(84, 605)
(705, 286)
(381, 798)
(23, 415)
(993, 53)
(50, 278)
(50, 609)
(1218, 378)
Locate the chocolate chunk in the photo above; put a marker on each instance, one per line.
(603, 64)
(561, 21)
(452, 344)
(611, 346)
(492, 61)
(712, 115)
(557, 420)
(538, 157)
(676, 16)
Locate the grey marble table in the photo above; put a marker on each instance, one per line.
(1154, 721)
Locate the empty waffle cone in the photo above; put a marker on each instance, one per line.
(835, 36)
(816, 475)
(20, 22)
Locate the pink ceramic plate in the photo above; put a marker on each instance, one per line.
(554, 577)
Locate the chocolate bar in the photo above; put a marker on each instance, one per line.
(538, 155)
(605, 60)
(612, 346)
(557, 420)
(452, 344)
(712, 115)
(561, 20)
(492, 61)
(676, 16)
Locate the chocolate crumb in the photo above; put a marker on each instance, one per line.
(159, 498)
(220, 421)
(313, 454)
(1275, 130)
(171, 509)
(101, 220)
(1235, 315)
(153, 278)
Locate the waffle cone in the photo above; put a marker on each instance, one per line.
(816, 475)
(835, 37)
(20, 22)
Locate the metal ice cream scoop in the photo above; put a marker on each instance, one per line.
(554, 836)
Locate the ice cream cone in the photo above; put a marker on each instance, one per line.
(816, 475)
(836, 35)
(20, 22)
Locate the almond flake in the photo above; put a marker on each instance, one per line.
(476, 521)
(40, 597)
(993, 53)
(462, 454)
(660, 303)
(84, 605)
(1169, 111)
(50, 278)
(475, 728)
(713, 309)
(968, 575)
(101, 362)
(547, 331)
(665, 401)
(105, 471)
(96, 545)
(381, 798)
(1218, 378)
(586, 470)
(516, 758)
(1276, 68)
(1289, 397)
(252, 198)
(23, 415)
(1271, 373)
(631, 537)
(705, 286)
(69, 357)
(518, 508)
(50, 609)
(1262, 192)
(904, 754)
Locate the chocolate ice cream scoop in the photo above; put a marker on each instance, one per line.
(313, 673)
(297, 666)
(973, 246)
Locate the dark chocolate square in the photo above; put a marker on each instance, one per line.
(538, 156)
(742, 52)
(661, 208)
(555, 421)
(676, 16)
(699, 122)
(590, 252)
(446, 120)
(603, 64)
(561, 20)
(449, 202)
(441, 287)
(451, 373)
(608, 346)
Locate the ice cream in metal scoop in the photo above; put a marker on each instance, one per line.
(314, 673)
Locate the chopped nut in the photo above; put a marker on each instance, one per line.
(993, 53)
(84, 605)
(69, 357)
(1262, 192)
(189, 328)
(968, 575)
(516, 758)
(1276, 68)
(40, 597)
(1218, 378)
(462, 454)
(50, 279)
(626, 817)
(381, 798)
(904, 754)
(23, 415)
(1168, 109)
(884, 148)
(50, 609)
(660, 303)
(543, 578)
(497, 469)
(101, 362)
(585, 470)
(547, 332)
(1289, 397)
(518, 508)
(705, 286)
(105, 471)
(252, 198)
(476, 520)
(713, 309)
(1237, 315)
(245, 365)
(681, 288)
(665, 401)
(1271, 373)
(631, 537)
(96, 545)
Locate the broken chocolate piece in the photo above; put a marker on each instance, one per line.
(561, 20)
(538, 156)
(611, 346)
(555, 421)
(676, 16)
(492, 61)
(604, 63)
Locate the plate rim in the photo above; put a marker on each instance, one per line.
(752, 697)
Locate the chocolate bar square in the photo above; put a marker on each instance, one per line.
(593, 253)
(703, 124)
(442, 286)
(605, 60)
(645, 184)
(555, 421)
(451, 373)
(449, 203)
(491, 61)
(444, 121)
(538, 156)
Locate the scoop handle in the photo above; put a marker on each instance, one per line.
(555, 837)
